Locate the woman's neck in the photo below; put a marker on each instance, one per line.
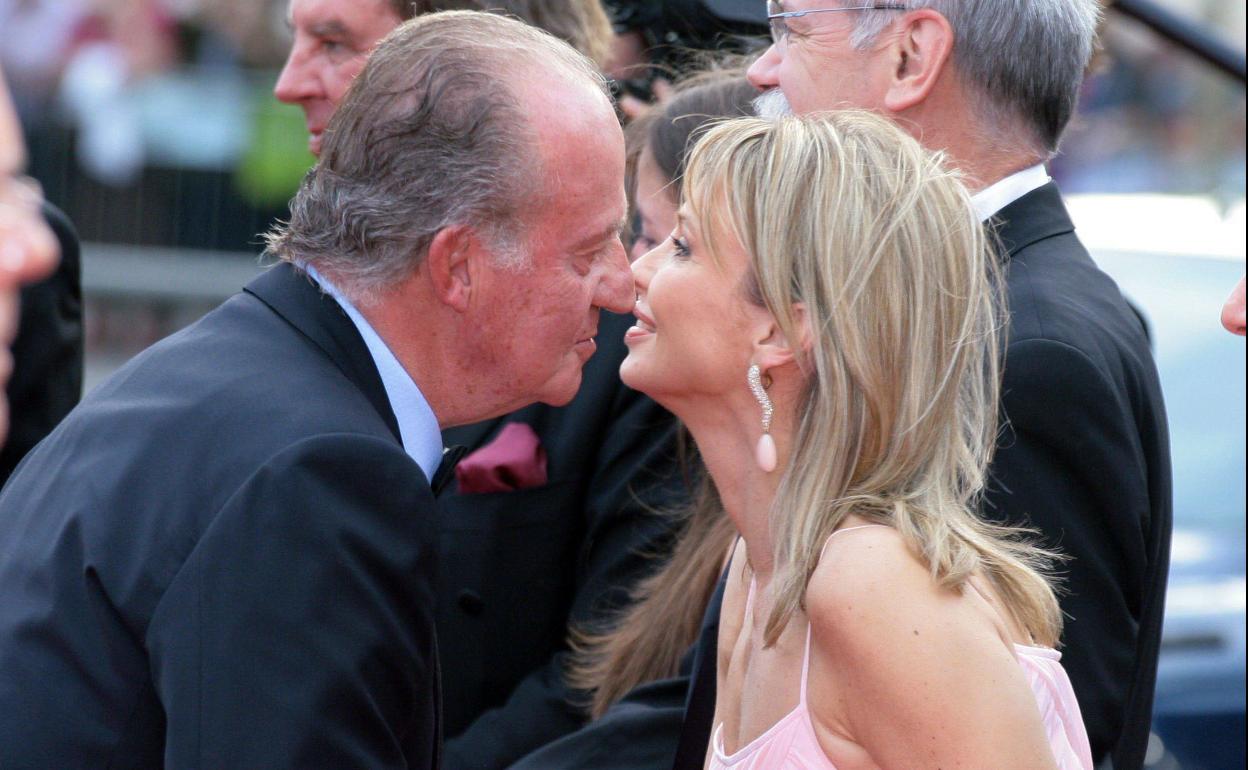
(727, 441)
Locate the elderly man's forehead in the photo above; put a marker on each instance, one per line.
(333, 17)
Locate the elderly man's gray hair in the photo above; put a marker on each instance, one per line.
(1026, 58)
(429, 136)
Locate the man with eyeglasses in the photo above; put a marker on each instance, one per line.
(1084, 457)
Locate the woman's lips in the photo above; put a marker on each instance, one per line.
(643, 328)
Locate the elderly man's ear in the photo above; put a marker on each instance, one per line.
(456, 257)
(918, 55)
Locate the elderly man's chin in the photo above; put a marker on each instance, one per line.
(561, 389)
(772, 105)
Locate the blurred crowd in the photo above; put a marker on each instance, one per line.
(129, 104)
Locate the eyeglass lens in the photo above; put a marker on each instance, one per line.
(779, 29)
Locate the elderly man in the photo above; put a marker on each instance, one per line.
(224, 556)
(1085, 456)
(551, 519)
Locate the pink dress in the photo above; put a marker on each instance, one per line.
(791, 743)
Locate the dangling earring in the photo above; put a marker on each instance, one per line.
(765, 452)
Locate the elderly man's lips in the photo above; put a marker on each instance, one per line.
(587, 347)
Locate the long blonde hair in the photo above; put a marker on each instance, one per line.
(875, 240)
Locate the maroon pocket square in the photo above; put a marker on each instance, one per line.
(514, 460)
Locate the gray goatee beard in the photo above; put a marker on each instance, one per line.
(772, 105)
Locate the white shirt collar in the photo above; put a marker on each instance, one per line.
(995, 197)
(418, 426)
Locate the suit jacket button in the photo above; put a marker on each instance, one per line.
(471, 602)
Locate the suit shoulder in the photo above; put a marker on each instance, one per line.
(1057, 294)
(332, 477)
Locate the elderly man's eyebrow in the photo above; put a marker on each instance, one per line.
(609, 233)
(331, 28)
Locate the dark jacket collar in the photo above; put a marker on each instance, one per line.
(294, 296)
(1037, 215)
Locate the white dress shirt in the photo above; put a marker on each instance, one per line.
(418, 426)
(995, 197)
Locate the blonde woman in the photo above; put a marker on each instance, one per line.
(825, 321)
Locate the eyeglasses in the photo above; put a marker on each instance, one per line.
(779, 19)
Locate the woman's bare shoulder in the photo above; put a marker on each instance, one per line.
(866, 580)
(928, 676)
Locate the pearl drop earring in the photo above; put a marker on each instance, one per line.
(765, 452)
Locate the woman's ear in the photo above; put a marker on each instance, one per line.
(773, 348)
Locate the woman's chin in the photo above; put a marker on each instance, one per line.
(668, 394)
(636, 373)
(632, 372)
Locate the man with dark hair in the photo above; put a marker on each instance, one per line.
(1085, 456)
(224, 557)
(537, 550)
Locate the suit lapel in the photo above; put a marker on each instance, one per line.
(1037, 215)
(295, 297)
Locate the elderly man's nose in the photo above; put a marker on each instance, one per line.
(762, 73)
(616, 290)
(295, 81)
(643, 270)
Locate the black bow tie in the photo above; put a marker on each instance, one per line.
(446, 469)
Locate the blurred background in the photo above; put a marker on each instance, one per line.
(152, 124)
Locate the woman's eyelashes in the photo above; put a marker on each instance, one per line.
(680, 247)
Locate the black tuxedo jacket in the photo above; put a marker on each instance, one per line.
(223, 558)
(1085, 459)
(47, 353)
(517, 568)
